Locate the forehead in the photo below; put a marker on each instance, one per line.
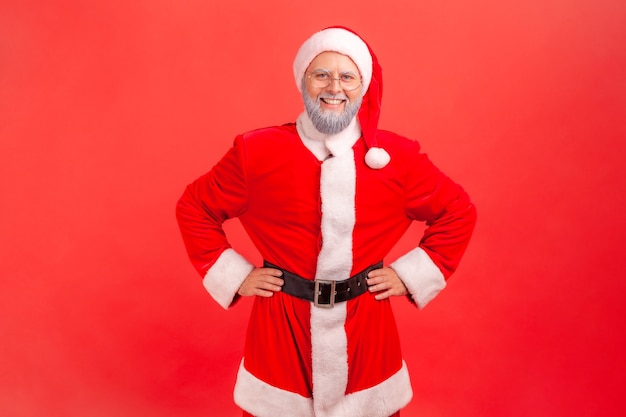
(333, 61)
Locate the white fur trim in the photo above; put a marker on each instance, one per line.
(338, 191)
(264, 400)
(322, 145)
(329, 344)
(337, 40)
(381, 400)
(421, 276)
(312, 139)
(225, 277)
(377, 158)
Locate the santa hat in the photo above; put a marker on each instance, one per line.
(346, 42)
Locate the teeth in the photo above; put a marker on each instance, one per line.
(333, 101)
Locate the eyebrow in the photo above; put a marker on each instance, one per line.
(330, 72)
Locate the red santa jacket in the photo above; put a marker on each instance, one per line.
(325, 220)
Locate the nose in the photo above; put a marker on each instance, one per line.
(335, 85)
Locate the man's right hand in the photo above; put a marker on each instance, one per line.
(263, 282)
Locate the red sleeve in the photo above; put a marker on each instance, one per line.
(449, 214)
(213, 198)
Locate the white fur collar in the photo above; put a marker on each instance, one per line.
(322, 145)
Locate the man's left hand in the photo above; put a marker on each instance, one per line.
(385, 282)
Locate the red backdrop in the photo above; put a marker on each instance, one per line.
(109, 108)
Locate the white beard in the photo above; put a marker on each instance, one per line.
(329, 122)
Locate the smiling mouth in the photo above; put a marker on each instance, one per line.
(332, 101)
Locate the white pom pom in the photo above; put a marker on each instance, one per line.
(377, 158)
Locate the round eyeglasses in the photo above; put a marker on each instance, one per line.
(322, 79)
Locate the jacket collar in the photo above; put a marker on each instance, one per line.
(322, 145)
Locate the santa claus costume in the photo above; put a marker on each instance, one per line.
(325, 207)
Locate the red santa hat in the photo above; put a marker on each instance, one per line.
(347, 42)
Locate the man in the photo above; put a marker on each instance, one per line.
(324, 200)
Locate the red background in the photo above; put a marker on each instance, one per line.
(109, 108)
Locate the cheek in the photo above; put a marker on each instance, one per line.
(311, 93)
(353, 95)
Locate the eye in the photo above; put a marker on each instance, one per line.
(320, 75)
(348, 77)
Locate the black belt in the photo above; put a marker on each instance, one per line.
(325, 293)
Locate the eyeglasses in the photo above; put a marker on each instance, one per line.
(321, 79)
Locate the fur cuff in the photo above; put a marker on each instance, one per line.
(421, 276)
(225, 277)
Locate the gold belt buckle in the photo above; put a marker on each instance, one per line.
(317, 293)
